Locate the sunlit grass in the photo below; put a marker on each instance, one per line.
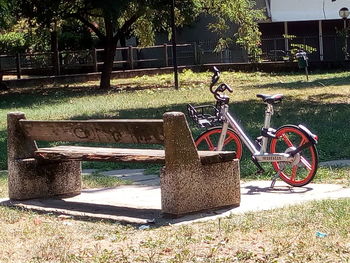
(313, 232)
(3, 184)
(97, 180)
(322, 104)
(281, 235)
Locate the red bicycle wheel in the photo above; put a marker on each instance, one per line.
(303, 169)
(209, 139)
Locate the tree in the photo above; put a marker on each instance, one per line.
(6, 18)
(241, 12)
(114, 21)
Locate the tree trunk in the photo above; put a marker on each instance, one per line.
(109, 53)
(110, 45)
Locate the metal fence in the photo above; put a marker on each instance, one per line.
(274, 48)
(61, 62)
(203, 52)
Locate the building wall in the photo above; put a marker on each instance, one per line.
(305, 10)
(313, 22)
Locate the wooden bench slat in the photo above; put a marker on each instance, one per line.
(103, 131)
(82, 153)
(210, 157)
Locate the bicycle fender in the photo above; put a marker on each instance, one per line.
(312, 137)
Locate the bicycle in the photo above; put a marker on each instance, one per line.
(292, 150)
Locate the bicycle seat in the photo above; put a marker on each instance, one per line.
(271, 99)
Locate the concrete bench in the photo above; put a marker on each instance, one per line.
(190, 181)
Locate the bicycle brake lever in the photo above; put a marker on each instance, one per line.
(229, 88)
(222, 87)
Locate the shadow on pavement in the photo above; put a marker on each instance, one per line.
(256, 190)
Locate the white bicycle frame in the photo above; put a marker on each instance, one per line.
(261, 155)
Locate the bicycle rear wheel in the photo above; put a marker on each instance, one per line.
(303, 169)
(209, 139)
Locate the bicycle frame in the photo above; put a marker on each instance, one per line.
(291, 149)
(260, 154)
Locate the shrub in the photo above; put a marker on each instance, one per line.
(13, 42)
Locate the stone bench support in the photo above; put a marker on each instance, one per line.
(30, 178)
(190, 181)
(188, 185)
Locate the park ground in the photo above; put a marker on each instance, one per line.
(281, 235)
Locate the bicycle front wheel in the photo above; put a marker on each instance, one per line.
(209, 139)
(303, 169)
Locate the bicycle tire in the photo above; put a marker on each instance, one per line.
(208, 139)
(302, 171)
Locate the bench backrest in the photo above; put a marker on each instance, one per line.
(180, 149)
(99, 131)
(172, 131)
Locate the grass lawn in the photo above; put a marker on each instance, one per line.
(281, 235)
(322, 104)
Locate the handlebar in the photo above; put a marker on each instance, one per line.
(220, 89)
(215, 77)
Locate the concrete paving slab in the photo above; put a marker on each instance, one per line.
(140, 204)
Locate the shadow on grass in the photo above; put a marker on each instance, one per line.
(328, 120)
(50, 96)
(332, 81)
(325, 96)
(86, 211)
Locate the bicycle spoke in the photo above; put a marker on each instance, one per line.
(227, 140)
(209, 139)
(302, 142)
(294, 172)
(305, 162)
(286, 140)
(210, 144)
(290, 138)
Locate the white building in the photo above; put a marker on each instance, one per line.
(313, 22)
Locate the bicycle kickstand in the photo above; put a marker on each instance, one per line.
(274, 179)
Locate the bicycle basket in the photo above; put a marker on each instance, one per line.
(204, 116)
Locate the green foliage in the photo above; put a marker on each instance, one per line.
(6, 18)
(295, 47)
(242, 13)
(113, 21)
(74, 36)
(343, 34)
(144, 30)
(13, 42)
(143, 18)
(24, 36)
